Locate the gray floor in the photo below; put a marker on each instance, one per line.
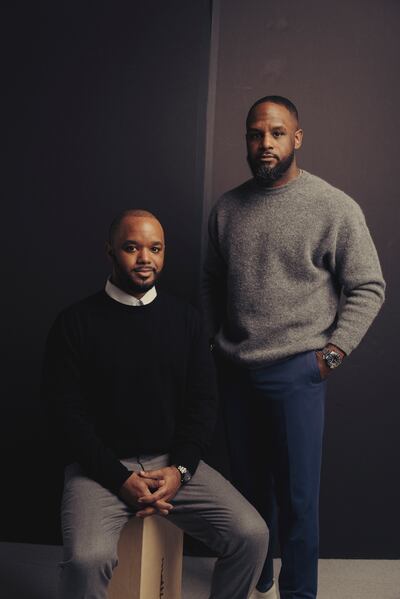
(30, 572)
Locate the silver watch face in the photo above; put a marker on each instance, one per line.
(185, 474)
(333, 359)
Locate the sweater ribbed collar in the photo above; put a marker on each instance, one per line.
(272, 191)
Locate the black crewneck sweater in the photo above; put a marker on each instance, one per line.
(124, 381)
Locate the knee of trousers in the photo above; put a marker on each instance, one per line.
(87, 564)
(250, 534)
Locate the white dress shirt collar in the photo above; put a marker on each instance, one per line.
(129, 300)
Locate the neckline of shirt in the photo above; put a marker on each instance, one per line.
(124, 298)
(269, 191)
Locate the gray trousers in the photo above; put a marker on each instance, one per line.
(209, 508)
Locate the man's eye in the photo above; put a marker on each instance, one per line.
(254, 136)
(278, 133)
(130, 248)
(155, 250)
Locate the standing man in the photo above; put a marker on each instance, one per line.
(283, 246)
(129, 376)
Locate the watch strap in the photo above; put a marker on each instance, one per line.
(185, 474)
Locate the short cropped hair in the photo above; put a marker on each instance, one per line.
(113, 229)
(274, 100)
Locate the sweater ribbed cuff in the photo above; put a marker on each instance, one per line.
(342, 343)
(115, 479)
(186, 455)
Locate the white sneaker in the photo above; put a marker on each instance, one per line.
(270, 594)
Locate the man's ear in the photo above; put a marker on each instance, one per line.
(109, 250)
(298, 139)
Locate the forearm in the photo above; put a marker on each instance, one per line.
(194, 431)
(63, 391)
(360, 308)
(197, 417)
(98, 461)
(358, 272)
(213, 290)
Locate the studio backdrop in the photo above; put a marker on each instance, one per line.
(116, 105)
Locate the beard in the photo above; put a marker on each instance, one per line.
(124, 281)
(140, 287)
(267, 175)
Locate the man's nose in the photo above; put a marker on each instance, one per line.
(267, 141)
(144, 256)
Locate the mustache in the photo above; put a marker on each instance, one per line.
(143, 269)
(265, 154)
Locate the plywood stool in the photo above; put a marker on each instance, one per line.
(149, 560)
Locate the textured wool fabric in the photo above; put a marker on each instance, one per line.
(277, 262)
(124, 381)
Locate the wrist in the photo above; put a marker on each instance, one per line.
(333, 347)
(183, 473)
(332, 356)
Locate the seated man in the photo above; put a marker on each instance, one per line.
(129, 377)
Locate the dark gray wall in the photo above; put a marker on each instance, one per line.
(105, 110)
(339, 63)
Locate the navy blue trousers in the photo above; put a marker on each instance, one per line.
(274, 418)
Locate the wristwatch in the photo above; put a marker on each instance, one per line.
(185, 474)
(332, 358)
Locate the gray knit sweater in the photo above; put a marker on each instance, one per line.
(277, 263)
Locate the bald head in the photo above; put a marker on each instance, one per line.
(131, 213)
(280, 101)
